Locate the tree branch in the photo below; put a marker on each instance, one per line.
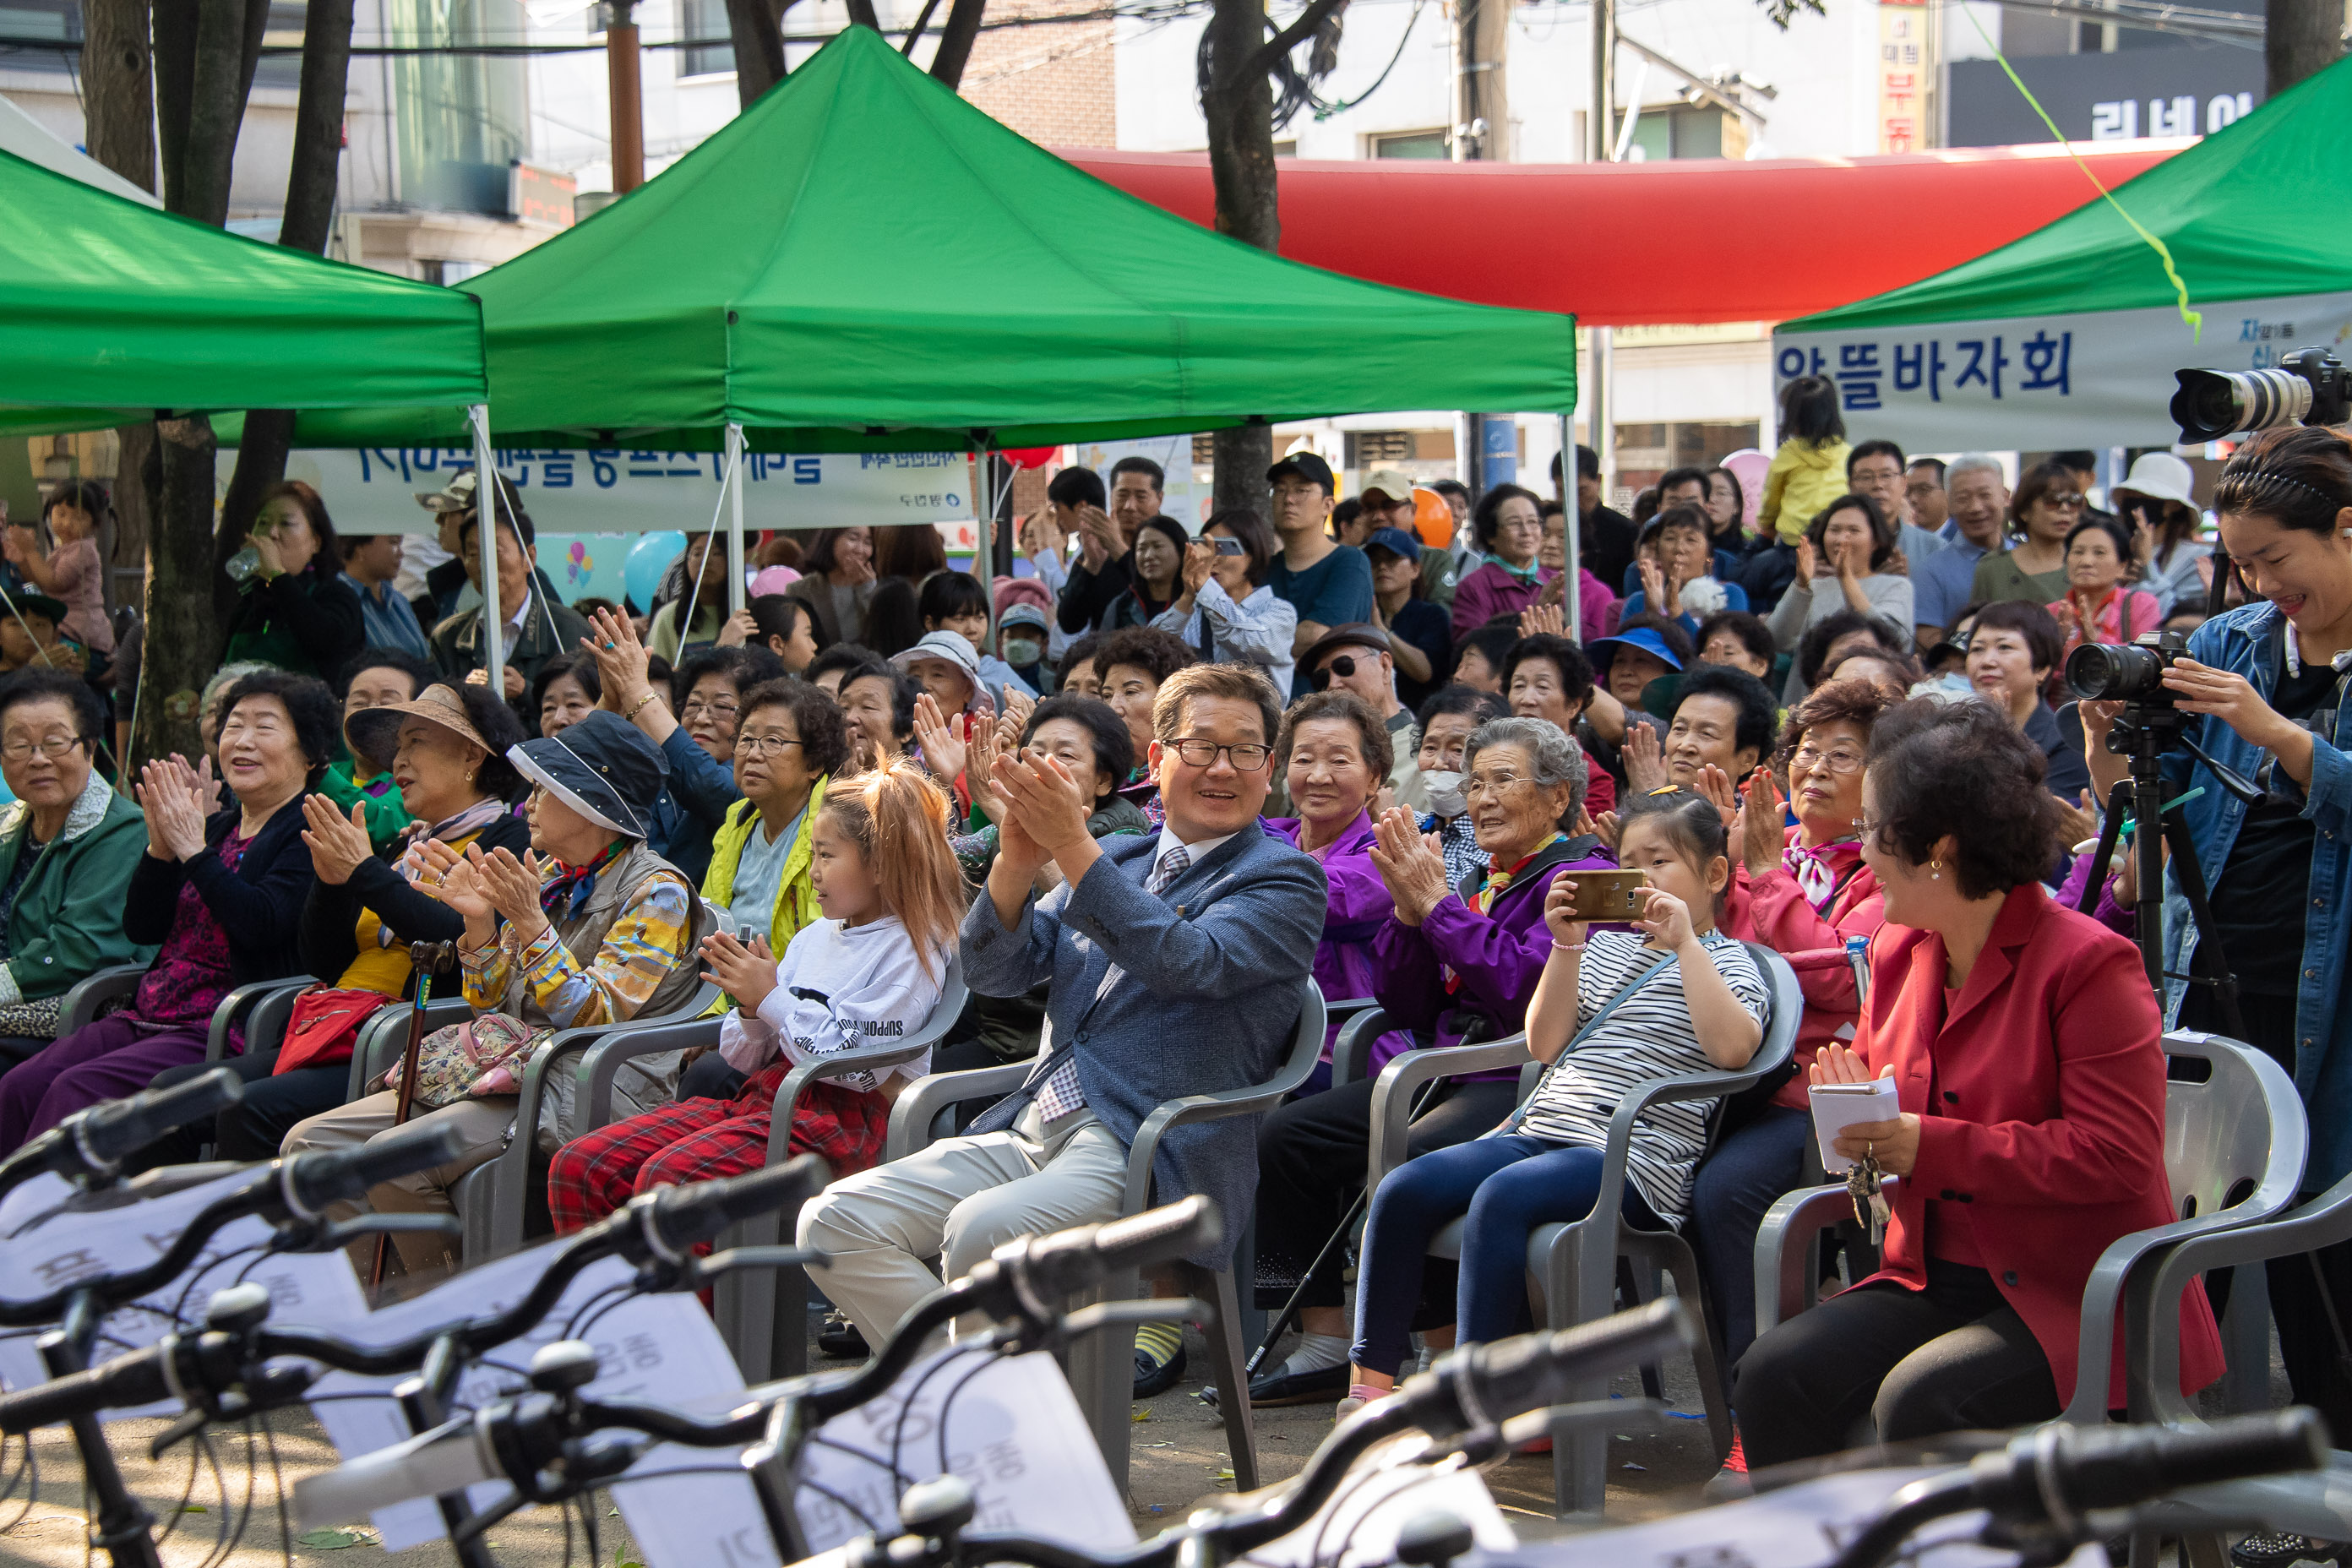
(956, 37)
(915, 32)
(1317, 12)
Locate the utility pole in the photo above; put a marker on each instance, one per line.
(628, 98)
(1600, 141)
(1482, 133)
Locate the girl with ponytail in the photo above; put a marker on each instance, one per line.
(870, 971)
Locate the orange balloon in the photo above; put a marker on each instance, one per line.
(1431, 518)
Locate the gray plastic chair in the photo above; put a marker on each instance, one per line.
(494, 1199)
(1572, 1269)
(1102, 1365)
(2234, 1147)
(762, 1313)
(97, 993)
(265, 1006)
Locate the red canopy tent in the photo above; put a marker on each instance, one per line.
(1636, 244)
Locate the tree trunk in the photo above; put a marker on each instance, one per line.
(227, 43)
(1237, 102)
(205, 52)
(956, 37)
(117, 87)
(117, 91)
(310, 183)
(311, 178)
(756, 28)
(183, 629)
(2299, 38)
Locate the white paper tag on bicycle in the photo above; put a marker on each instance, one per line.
(660, 1347)
(1360, 1522)
(1802, 1526)
(59, 1246)
(1013, 1430)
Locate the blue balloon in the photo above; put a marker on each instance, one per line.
(642, 568)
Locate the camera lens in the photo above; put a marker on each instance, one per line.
(2105, 672)
(2211, 404)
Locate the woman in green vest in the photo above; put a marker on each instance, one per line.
(790, 740)
(68, 847)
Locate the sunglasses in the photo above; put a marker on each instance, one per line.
(1344, 667)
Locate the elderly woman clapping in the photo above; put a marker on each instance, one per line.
(1451, 965)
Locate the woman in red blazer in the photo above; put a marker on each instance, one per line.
(2027, 1051)
(1800, 891)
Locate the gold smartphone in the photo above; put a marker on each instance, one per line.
(1608, 895)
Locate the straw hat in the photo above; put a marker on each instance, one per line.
(374, 733)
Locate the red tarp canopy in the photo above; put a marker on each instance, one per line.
(1640, 244)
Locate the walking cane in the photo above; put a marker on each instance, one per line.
(428, 958)
(1282, 1320)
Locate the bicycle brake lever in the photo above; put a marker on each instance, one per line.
(343, 1232)
(269, 1388)
(735, 1257)
(1104, 1315)
(1560, 1421)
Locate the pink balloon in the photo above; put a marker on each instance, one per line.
(1749, 466)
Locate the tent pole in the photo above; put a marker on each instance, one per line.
(1572, 530)
(735, 519)
(983, 559)
(486, 506)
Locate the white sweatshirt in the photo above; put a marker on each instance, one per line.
(863, 985)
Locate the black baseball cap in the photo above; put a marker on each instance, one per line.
(1306, 466)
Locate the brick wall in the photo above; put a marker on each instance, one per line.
(1052, 83)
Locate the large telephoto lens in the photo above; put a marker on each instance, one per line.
(2112, 672)
(2211, 404)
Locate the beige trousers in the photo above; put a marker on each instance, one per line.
(364, 1120)
(957, 1201)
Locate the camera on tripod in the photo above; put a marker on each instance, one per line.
(2309, 386)
(2131, 673)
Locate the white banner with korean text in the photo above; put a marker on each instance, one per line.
(374, 489)
(2099, 378)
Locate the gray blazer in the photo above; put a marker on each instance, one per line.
(1214, 968)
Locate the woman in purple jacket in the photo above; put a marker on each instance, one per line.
(1450, 966)
(1508, 529)
(1334, 753)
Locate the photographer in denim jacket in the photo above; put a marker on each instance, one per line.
(2269, 685)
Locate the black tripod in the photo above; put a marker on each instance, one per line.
(2143, 732)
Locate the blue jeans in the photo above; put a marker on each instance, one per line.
(1744, 1175)
(1505, 1187)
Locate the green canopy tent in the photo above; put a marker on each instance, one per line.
(862, 262)
(113, 312)
(2069, 336)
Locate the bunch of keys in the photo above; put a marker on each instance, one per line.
(1870, 1210)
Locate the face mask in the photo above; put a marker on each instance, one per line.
(1021, 651)
(1445, 796)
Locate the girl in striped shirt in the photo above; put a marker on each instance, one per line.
(1695, 1003)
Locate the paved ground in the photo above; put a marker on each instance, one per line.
(1179, 1456)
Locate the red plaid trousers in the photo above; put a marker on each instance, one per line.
(703, 1140)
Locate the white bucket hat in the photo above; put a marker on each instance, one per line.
(2159, 476)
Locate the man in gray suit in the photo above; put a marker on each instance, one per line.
(1178, 964)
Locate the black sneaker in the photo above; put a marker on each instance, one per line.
(838, 1338)
(2267, 1549)
(1156, 1377)
(1317, 1387)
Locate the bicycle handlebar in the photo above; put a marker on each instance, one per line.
(297, 1187)
(516, 1438)
(91, 1144)
(663, 1226)
(2054, 1475)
